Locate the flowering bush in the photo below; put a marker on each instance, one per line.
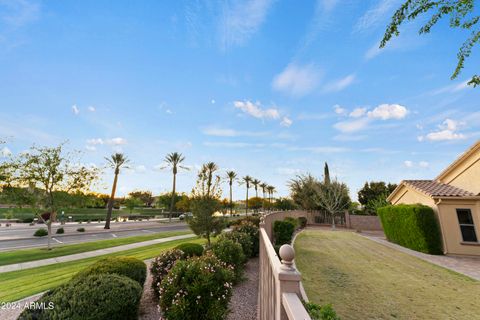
(162, 264)
(231, 253)
(197, 289)
(241, 238)
(252, 230)
(191, 249)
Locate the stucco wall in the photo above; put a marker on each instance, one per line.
(359, 222)
(452, 236)
(407, 195)
(466, 175)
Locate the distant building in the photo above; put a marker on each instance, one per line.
(455, 197)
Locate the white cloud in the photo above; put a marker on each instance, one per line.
(453, 88)
(448, 130)
(75, 109)
(297, 80)
(242, 20)
(140, 169)
(339, 110)
(373, 51)
(91, 109)
(320, 149)
(225, 132)
(234, 144)
(288, 171)
(358, 112)
(352, 125)
(18, 13)
(340, 84)
(423, 164)
(286, 122)
(90, 147)
(255, 110)
(5, 152)
(376, 15)
(443, 135)
(168, 111)
(212, 101)
(408, 164)
(95, 141)
(328, 5)
(388, 111)
(116, 141)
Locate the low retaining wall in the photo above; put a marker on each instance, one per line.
(360, 222)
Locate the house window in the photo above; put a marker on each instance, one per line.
(467, 227)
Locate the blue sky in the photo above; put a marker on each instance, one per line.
(267, 88)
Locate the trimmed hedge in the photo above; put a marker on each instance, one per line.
(412, 226)
(283, 232)
(96, 297)
(191, 249)
(303, 222)
(132, 268)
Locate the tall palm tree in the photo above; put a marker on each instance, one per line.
(256, 183)
(209, 168)
(231, 176)
(116, 161)
(271, 190)
(246, 180)
(263, 185)
(174, 161)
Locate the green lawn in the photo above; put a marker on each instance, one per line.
(16, 285)
(24, 255)
(366, 280)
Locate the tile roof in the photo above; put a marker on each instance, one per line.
(437, 189)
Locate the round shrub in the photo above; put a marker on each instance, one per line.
(132, 268)
(197, 289)
(303, 222)
(191, 249)
(60, 231)
(293, 221)
(231, 253)
(162, 264)
(42, 232)
(283, 231)
(96, 297)
(242, 239)
(81, 229)
(252, 230)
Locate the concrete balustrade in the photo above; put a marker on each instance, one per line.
(280, 288)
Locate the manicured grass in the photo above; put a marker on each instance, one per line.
(24, 255)
(366, 280)
(16, 285)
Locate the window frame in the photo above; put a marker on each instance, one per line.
(467, 225)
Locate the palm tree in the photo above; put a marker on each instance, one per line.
(271, 190)
(209, 168)
(231, 176)
(247, 180)
(116, 161)
(174, 160)
(256, 183)
(263, 185)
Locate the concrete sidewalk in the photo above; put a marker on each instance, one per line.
(88, 254)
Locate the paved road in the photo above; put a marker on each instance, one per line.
(21, 237)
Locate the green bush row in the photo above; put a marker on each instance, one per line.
(110, 289)
(412, 226)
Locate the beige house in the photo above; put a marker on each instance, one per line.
(455, 197)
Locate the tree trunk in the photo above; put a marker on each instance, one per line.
(333, 222)
(110, 202)
(231, 200)
(49, 229)
(246, 204)
(172, 202)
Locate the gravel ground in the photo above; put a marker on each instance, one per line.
(148, 305)
(244, 303)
